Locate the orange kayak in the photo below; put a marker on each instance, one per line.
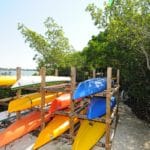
(31, 121)
(60, 102)
(21, 127)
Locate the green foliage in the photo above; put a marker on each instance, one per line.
(128, 22)
(124, 44)
(6, 92)
(53, 48)
(111, 2)
(96, 14)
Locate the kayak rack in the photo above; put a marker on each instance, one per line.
(77, 107)
(7, 118)
(4, 101)
(111, 118)
(58, 88)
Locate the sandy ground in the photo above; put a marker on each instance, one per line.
(131, 134)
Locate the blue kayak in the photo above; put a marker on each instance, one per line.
(97, 107)
(89, 87)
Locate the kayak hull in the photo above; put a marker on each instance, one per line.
(58, 125)
(26, 81)
(7, 80)
(33, 120)
(89, 87)
(29, 101)
(21, 127)
(88, 135)
(55, 128)
(97, 107)
(60, 102)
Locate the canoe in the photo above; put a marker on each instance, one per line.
(7, 80)
(55, 128)
(21, 127)
(88, 135)
(89, 87)
(26, 81)
(31, 121)
(30, 100)
(97, 106)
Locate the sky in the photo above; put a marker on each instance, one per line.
(70, 14)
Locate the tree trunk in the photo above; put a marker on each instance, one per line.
(147, 57)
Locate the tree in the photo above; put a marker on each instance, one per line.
(124, 44)
(53, 48)
(128, 21)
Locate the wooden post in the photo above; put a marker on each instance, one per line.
(73, 85)
(56, 72)
(118, 98)
(94, 73)
(18, 93)
(42, 73)
(118, 82)
(108, 96)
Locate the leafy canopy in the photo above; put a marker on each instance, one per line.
(53, 48)
(124, 44)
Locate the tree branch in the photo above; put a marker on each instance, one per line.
(147, 57)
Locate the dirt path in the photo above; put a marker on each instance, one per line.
(131, 133)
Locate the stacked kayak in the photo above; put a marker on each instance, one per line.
(7, 80)
(26, 81)
(90, 132)
(21, 127)
(89, 87)
(88, 135)
(31, 121)
(59, 123)
(61, 102)
(30, 100)
(97, 107)
(55, 128)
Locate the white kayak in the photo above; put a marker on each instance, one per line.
(26, 81)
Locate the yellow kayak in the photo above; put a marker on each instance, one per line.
(88, 135)
(7, 80)
(30, 100)
(56, 127)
